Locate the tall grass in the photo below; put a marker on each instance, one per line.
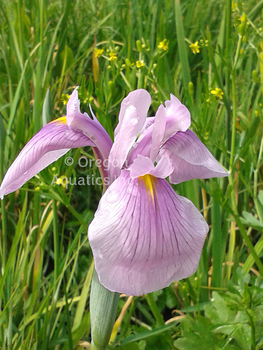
(47, 48)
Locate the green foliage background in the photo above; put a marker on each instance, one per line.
(46, 49)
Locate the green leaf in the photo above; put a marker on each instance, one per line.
(147, 334)
(250, 220)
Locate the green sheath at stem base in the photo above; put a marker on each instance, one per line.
(103, 305)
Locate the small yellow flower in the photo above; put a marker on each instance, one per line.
(194, 47)
(217, 93)
(64, 98)
(63, 181)
(163, 45)
(139, 64)
(97, 52)
(243, 18)
(112, 56)
(233, 6)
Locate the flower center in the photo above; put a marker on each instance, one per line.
(61, 120)
(148, 181)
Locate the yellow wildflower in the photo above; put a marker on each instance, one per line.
(242, 18)
(63, 181)
(163, 45)
(112, 56)
(139, 64)
(97, 52)
(64, 98)
(217, 93)
(233, 6)
(194, 47)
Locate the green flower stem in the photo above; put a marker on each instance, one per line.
(253, 331)
(216, 245)
(103, 305)
(3, 237)
(232, 237)
(154, 309)
(55, 240)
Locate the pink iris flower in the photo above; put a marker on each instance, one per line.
(143, 236)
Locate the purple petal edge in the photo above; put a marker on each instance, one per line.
(190, 158)
(49, 144)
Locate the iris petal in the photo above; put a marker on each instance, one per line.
(143, 242)
(143, 165)
(49, 144)
(178, 117)
(141, 100)
(190, 158)
(168, 121)
(132, 118)
(163, 168)
(90, 127)
(158, 131)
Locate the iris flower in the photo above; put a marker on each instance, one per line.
(143, 236)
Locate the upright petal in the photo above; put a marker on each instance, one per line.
(190, 158)
(141, 100)
(142, 146)
(144, 236)
(132, 118)
(158, 131)
(49, 144)
(177, 117)
(168, 121)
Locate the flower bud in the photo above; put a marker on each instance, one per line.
(139, 45)
(191, 88)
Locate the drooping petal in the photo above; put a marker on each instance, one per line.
(144, 236)
(89, 127)
(132, 118)
(49, 144)
(190, 158)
